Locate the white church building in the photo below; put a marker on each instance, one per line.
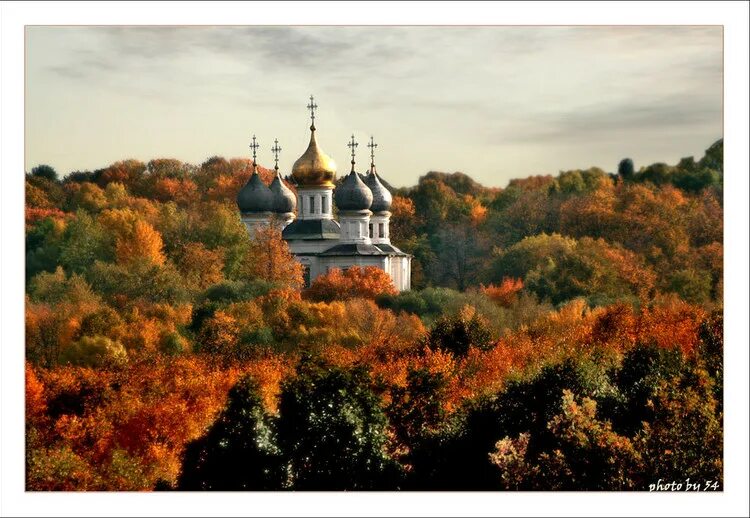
(360, 237)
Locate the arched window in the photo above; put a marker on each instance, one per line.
(306, 275)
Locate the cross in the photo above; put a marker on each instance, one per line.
(275, 150)
(254, 146)
(312, 107)
(353, 145)
(372, 145)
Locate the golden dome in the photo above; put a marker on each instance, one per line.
(314, 168)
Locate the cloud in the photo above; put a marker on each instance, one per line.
(528, 87)
(611, 121)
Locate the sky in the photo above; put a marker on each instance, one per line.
(496, 102)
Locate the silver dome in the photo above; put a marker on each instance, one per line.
(381, 197)
(255, 196)
(284, 200)
(353, 194)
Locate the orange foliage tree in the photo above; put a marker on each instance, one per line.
(505, 293)
(269, 258)
(121, 429)
(127, 172)
(177, 190)
(200, 266)
(403, 219)
(354, 282)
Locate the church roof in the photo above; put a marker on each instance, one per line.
(312, 229)
(353, 194)
(390, 249)
(314, 167)
(255, 196)
(353, 249)
(381, 197)
(349, 249)
(284, 200)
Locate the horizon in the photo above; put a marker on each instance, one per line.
(525, 100)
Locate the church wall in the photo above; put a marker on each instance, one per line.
(253, 221)
(310, 246)
(315, 203)
(400, 270)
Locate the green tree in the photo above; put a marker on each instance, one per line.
(458, 456)
(586, 454)
(692, 285)
(455, 334)
(55, 288)
(626, 168)
(416, 410)
(84, 242)
(94, 351)
(42, 247)
(239, 452)
(562, 268)
(332, 430)
(138, 280)
(658, 174)
(714, 157)
(685, 438)
(45, 171)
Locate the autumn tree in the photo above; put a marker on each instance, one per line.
(355, 282)
(86, 195)
(563, 268)
(200, 266)
(403, 219)
(128, 172)
(461, 254)
(456, 334)
(36, 197)
(143, 242)
(218, 334)
(417, 410)
(94, 351)
(268, 258)
(504, 293)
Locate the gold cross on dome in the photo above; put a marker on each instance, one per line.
(372, 145)
(254, 146)
(276, 150)
(312, 107)
(353, 146)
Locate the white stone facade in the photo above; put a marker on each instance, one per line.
(351, 241)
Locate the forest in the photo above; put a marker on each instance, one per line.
(563, 333)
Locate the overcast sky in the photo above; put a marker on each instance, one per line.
(494, 102)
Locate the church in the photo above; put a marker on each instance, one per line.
(360, 237)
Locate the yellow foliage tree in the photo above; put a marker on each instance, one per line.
(144, 242)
